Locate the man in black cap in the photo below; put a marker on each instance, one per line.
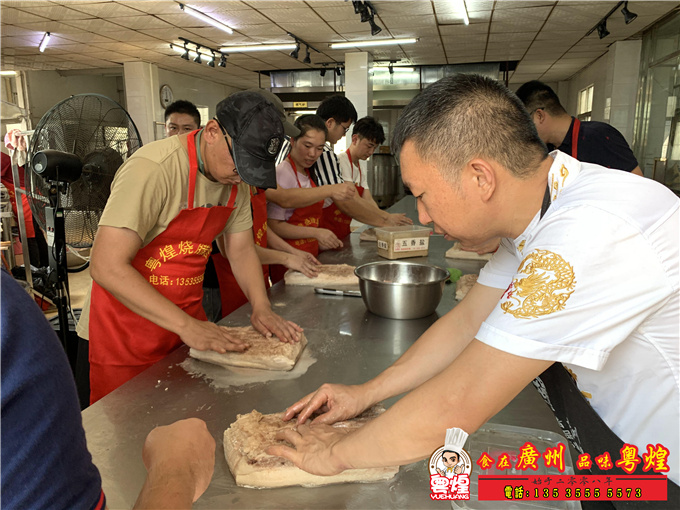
(168, 202)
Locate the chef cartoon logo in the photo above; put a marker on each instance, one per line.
(450, 467)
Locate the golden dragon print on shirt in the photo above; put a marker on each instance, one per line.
(542, 286)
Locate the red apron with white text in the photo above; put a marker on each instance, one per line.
(124, 344)
(231, 294)
(302, 217)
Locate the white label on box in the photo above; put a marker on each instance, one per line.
(411, 244)
(382, 245)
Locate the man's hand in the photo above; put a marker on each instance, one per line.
(343, 191)
(312, 448)
(327, 239)
(207, 336)
(336, 402)
(180, 460)
(268, 323)
(304, 262)
(397, 219)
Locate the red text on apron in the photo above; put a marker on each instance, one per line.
(230, 293)
(124, 344)
(302, 217)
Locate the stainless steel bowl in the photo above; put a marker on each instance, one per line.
(401, 290)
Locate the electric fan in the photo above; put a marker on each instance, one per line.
(74, 154)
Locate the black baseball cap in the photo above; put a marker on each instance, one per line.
(256, 132)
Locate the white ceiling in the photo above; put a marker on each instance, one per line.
(547, 37)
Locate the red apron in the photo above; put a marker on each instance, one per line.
(302, 217)
(231, 294)
(124, 344)
(360, 188)
(334, 219)
(574, 138)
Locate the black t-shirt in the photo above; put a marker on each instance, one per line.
(601, 144)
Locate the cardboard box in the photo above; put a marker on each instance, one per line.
(403, 242)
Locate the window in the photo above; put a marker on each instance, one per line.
(585, 103)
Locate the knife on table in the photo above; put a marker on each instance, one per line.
(336, 292)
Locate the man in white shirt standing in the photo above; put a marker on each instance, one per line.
(367, 136)
(582, 297)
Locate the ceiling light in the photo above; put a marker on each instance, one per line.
(223, 61)
(257, 47)
(296, 50)
(13, 73)
(381, 42)
(602, 29)
(308, 59)
(466, 19)
(211, 59)
(44, 41)
(365, 14)
(204, 17)
(375, 29)
(390, 69)
(198, 55)
(628, 16)
(338, 71)
(322, 72)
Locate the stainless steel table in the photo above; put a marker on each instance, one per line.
(350, 345)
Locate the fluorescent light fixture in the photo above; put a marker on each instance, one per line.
(380, 42)
(258, 47)
(466, 20)
(8, 73)
(204, 17)
(43, 43)
(395, 69)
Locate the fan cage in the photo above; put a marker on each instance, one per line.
(102, 134)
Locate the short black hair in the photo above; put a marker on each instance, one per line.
(183, 106)
(309, 122)
(536, 94)
(467, 116)
(337, 107)
(369, 128)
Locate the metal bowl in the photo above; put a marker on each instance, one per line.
(401, 290)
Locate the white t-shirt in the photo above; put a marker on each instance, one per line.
(285, 178)
(357, 177)
(595, 285)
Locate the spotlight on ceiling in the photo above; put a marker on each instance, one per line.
(602, 29)
(296, 50)
(338, 71)
(198, 55)
(323, 72)
(628, 16)
(211, 61)
(185, 55)
(223, 61)
(375, 29)
(308, 58)
(391, 69)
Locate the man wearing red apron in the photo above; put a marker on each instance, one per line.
(367, 135)
(148, 264)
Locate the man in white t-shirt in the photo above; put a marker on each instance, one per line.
(367, 135)
(586, 276)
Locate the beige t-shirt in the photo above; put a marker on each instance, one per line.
(151, 188)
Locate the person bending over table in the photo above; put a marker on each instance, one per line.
(168, 202)
(45, 461)
(367, 135)
(299, 226)
(554, 293)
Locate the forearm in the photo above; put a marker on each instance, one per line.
(166, 490)
(437, 348)
(294, 198)
(369, 199)
(275, 242)
(362, 211)
(287, 231)
(247, 270)
(129, 287)
(269, 256)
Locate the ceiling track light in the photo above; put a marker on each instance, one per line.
(375, 29)
(200, 54)
(308, 58)
(211, 59)
(323, 72)
(205, 18)
(185, 55)
(628, 16)
(338, 71)
(601, 27)
(296, 50)
(223, 61)
(43, 43)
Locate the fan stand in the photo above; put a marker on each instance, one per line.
(58, 276)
